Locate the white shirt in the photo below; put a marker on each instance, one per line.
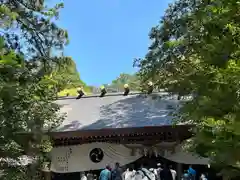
(157, 172)
(84, 177)
(203, 177)
(174, 173)
(129, 175)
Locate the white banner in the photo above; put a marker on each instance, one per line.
(77, 158)
(186, 158)
(97, 155)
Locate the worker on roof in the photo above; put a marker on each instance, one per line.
(126, 86)
(102, 87)
(80, 92)
(150, 83)
(80, 88)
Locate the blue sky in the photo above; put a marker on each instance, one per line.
(106, 35)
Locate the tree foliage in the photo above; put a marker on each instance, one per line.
(124, 78)
(28, 27)
(26, 105)
(195, 51)
(28, 38)
(65, 75)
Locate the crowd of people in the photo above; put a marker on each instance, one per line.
(160, 172)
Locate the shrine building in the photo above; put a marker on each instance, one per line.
(117, 128)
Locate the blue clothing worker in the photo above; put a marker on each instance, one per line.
(105, 174)
(192, 173)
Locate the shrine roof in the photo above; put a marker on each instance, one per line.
(117, 111)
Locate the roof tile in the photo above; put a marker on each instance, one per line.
(117, 111)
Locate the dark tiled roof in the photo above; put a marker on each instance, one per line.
(117, 111)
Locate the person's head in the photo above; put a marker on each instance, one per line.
(130, 168)
(108, 167)
(170, 166)
(82, 174)
(165, 166)
(190, 166)
(117, 165)
(185, 171)
(79, 88)
(158, 165)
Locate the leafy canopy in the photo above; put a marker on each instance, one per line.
(124, 78)
(195, 51)
(66, 75)
(28, 27)
(26, 105)
(28, 38)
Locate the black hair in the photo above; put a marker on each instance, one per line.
(117, 164)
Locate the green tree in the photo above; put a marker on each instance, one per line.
(196, 51)
(28, 27)
(26, 94)
(124, 78)
(26, 106)
(65, 74)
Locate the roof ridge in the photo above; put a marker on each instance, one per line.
(109, 94)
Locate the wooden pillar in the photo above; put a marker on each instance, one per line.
(47, 175)
(179, 165)
(225, 177)
(46, 171)
(179, 171)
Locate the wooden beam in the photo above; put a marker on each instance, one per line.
(175, 130)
